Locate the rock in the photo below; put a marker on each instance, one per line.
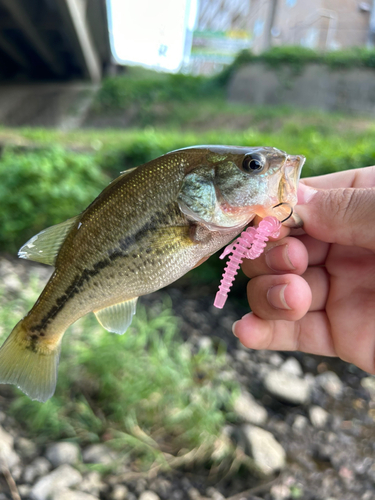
(300, 423)
(331, 383)
(310, 379)
(248, 410)
(149, 495)
(280, 492)
(66, 494)
(205, 342)
(186, 483)
(161, 486)
(61, 478)
(177, 495)
(194, 494)
(368, 495)
(27, 448)
(92, 483)
(7, 452)
(275, 359)
(292, 366)
(120, 492)
(62, 453)
(39, 467)
(17, 471)
(318, 416)
(268, 454)
(214, 494)
(241, 355)
(346, 474)
(368, 383)
(140, 485)
(24, 490)
(287, 387)
(98, 454)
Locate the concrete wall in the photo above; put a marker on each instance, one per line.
(351, 90)
(318, 24)
(62, 105)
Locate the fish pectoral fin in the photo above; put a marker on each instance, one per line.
(44, 246)
(117, 318)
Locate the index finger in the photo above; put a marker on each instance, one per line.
(357, 178)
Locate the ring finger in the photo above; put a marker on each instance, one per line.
(288, 297)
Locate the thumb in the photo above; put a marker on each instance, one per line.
(344, 215)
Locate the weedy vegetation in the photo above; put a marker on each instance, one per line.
(146, 393)
(39, 188)
(50, 183)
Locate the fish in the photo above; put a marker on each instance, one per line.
(146, 229)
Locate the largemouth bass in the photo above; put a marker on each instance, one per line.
(149, 227)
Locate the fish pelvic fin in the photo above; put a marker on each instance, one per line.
(29, 365)
(118, 317)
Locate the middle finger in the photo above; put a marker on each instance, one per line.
(288, 297)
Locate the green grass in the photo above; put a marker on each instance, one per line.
(328, 142)
(56, 174)
(144, 393)
(41, 188)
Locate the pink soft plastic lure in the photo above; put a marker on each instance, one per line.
(250, 245)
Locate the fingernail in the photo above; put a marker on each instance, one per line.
(277, 258)
(305, 193)
(276, 297)
(234, 328)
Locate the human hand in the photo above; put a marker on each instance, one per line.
(316, 292)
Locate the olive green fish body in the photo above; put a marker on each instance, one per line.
(145, 230)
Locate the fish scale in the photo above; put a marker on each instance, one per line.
(146, 229)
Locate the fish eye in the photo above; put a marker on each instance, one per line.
(253, 162)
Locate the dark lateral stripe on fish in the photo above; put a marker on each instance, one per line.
(70, 292)
(159, 218)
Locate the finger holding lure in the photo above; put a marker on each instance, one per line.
(148, 228)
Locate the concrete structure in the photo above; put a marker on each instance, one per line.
(222, 30)
(318, 24)
(317, 87)
(224, 27)
(63, 105)
(49, 40)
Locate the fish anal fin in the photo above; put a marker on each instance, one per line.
(31, 369)
(117, 318)
(44, 246)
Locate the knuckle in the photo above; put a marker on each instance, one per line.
(348, 207)
(343, 203)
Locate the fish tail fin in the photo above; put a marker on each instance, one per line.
(29, 365)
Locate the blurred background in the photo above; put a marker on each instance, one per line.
(176, 409)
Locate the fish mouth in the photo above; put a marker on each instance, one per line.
(287, 191)
(289, 182)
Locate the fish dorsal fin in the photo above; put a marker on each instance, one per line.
(125, 172)
(117, 318)
(44, 246)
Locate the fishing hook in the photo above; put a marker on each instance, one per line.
(291, 210)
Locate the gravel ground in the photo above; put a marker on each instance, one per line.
(307, 421)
